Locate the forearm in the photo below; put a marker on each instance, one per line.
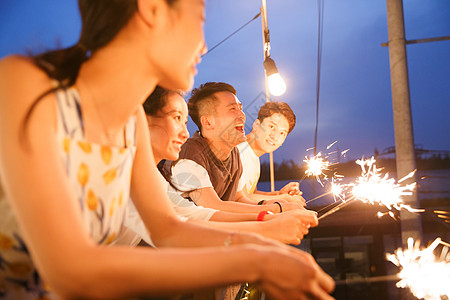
(237, 207)
(246, 199)
(224, 216)
(246, 226)
(258, 197)
(274, 193)
(200, 234)
(153, 272)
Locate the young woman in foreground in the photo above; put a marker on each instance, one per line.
(75, 147)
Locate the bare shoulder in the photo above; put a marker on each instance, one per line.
(21, 81)
(14, 66)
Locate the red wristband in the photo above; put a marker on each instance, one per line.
(261, 215)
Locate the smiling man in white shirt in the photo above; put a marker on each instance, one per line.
(275, 121)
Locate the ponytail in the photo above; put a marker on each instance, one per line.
(101, 22)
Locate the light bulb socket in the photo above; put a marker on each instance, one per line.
(270, 66)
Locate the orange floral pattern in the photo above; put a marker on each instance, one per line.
(120, 198)
(83, 174)
(66, 144)
(100, 177)
(111, 238)
(111, 208)
(85, 146)
(91, 200)
(106, 154)
(109, 176)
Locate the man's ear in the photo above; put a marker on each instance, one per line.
(256, 124)
(207, 122)
(150, 11)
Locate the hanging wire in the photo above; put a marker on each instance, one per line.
(319, 67)
(236, 31)
(320, 5)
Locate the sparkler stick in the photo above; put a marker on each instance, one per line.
(367, 279)
(332, 211)
(330, 205)
(336, 189)
(320, 196)
(303, 178)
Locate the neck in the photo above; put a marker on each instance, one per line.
(108, 83)
(252, 142)
(220, 148)
(157, 158)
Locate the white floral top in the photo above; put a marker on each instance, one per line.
(100, 177)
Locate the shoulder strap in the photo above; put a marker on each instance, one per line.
(69, 113)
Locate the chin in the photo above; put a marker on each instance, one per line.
(172, 157)
(184, 84)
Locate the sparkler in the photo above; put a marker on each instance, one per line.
(316, 165)
(337, 190)
(373, 187)
(422, 272)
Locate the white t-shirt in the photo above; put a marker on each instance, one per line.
(251, 168)
(187, 175)
(135, 229)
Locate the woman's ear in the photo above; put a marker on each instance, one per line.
(150, 11)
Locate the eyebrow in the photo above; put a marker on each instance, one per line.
(234, 104)
(170, 112)
(275, 123)
(174, 110)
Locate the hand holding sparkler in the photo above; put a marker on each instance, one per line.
(291, 193)
(292, 188)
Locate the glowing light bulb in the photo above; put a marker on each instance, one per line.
(277, 86)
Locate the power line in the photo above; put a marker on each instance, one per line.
(236, 31)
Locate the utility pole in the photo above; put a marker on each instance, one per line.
(411, 225)
(266, 49)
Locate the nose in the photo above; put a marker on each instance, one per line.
(241, 112)
(274, 135)
(184, 133)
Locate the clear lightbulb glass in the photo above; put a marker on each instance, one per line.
(277, 86)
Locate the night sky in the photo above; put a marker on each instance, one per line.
(355, 95)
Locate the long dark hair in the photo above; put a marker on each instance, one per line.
(101, 21)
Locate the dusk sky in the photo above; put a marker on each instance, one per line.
(355, 95)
